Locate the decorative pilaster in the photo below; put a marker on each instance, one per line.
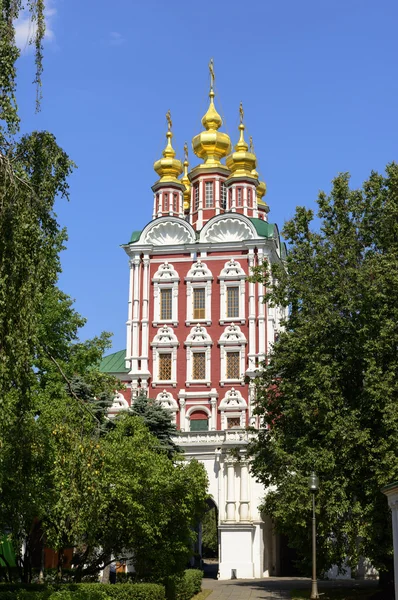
(230, 490)
(136, 315)
(252, 318)
(244, 511)
(182, 414)
(145, 317)
(261, 313)
(213, 403)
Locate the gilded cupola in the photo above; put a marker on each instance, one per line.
(242, 162)
(168, 168)
(185, 180)
(211, 144)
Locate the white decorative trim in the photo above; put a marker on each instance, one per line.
(232, 275)
(165, 400)
(232, 340)
(165, 277)
(198, 276)
(168, 231)
(166, 273)
(164, 342)
(233, 405)
(229, 228)
(119, 404)
(198, 341)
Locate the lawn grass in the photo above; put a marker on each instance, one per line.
(336, 594)
(202, 595)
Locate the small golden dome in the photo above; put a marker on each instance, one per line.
(241, 162)
(168, 168)
(185, 180)
(211, 145)
(260, 192)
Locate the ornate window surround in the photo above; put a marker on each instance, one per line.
(198, 341)
(232, 275)
(232, 340)
(165, 400)
(166, 277)
(199, 276)
(233, 405)
(164, 342)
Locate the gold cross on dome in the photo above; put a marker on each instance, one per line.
(169, 121)
(186, 151)
(251, 147)
(241, 113)
(212, 76)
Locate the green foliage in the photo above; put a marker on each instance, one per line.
(87, 591)
(209, 534)
(329, 392)
(185, 585)
(9, 12)
(157, 419)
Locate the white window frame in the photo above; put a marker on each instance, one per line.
(196, 197)
(233, 405)
(198, 341)
(164, 342)
(209, 198)
(232, 275)
(166, 277)
(199, 276)
(232, 340)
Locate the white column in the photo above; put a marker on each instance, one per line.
(213, 403)
(217, 195)
(145, 316)
(230, 491)
(252, 317)
(261, 312)
(244, 492)
(136, 314)
(130, 315)
(182, 414)
(233, 203)
(391, 491)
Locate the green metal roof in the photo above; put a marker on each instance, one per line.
(135, 236)
(114, 363)
(263, 228)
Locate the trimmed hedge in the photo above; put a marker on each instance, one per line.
(85, 591)
(188, 585)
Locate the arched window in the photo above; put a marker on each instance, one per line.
(199, 421)
(198, 345)
(175, 202)
(232, 293)
(249, 198)
(199, 280)
(232, 353)
(164, 356)
(223, 196)
(165, 202)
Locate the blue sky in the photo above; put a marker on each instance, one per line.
(317, 78)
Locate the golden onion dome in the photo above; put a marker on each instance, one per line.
(211, 144)
(242, 162)
(260, 192)
(168, 168)
(185, 180)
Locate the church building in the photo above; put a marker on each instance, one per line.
(197, 329)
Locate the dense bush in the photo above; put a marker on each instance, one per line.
(84, 591)
(185, 587)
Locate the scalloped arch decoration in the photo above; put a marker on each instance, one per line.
(168, 233)
(228, 230)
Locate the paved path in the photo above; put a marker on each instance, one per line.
(261, 589)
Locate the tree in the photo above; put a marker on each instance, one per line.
(329, 391)
(144, 504)
(157, 419)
